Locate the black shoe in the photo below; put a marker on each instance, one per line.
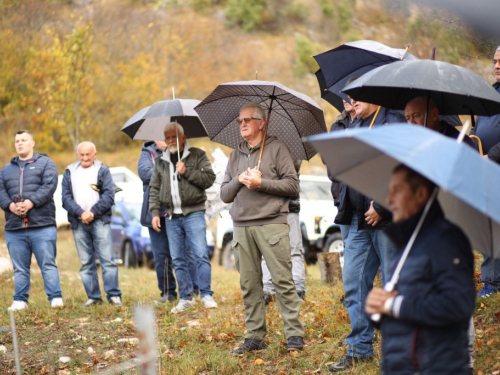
(342, 301)
(302, 296)
(249, 345)
(295, 344)
(347, 363)
(268, 298)
(92, 302)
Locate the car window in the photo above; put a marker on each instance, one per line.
(120, 177)
(116, 212)
(134, 212)
(315, 190)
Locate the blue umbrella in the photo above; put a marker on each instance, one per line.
(469, 184)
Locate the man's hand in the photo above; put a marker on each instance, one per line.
(180, 167)
(15, 209)
(371, 216)
(156, 223)
(25, 206)
(252, 178)
(375, 301)
(87, 217)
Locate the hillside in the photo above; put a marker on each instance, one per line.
(73, 70)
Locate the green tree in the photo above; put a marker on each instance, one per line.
(305, 49)
(246, 13)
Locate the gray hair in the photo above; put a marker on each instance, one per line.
(173, 125)
(498, 49)
(257, 108)
(86, 143)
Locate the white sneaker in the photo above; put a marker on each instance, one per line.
(183, 305)
(115, 301)
(208, 302)
(18, 305)
(57, 302)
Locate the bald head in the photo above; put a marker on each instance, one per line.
(86, 152)
(415, 112)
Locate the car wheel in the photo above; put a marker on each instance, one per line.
(129, 258)
(334, 244)
(228, 258)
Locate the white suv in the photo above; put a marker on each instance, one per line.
(317, 211)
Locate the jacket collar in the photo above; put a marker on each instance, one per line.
(185, 153)
(74, 166)
(242, 147)
(36, 155)
(400, 233)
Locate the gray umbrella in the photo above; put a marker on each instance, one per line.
(456, 90)
(149, 122)
(291, 115)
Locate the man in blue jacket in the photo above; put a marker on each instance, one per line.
(488, 131)
(88, 194)
(27, 186)
(152, 150)
(425, 321)
(366, 247)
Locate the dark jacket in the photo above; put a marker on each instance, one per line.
(39, 182)
(102, 209)
(488, 128)
(269, 203)
(452, 132)
(198, 177)
(427, 333)
(345, 209)
(342, 123)
(294, 204)
(145, 168)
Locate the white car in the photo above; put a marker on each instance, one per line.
(317, 211)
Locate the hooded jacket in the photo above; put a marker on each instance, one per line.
(37, 181)
(102, 209)
(269, 203)
(427, 333)
(145, 168)
(198, 177)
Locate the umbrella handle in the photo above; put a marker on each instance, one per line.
(479, 143)
(265, 134)
(375, 117)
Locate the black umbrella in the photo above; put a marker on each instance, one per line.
(329, 96)
(353, 60)
(291, 115)
(149, 122)
(456, 90)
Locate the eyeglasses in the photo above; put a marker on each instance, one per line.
(247, 119)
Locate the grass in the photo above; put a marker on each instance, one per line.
(195, 342)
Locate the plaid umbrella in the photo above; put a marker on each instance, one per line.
(149, 122)
(291, 115)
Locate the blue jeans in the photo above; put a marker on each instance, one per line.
(190, 229)
(490, 271)
(41, 242)
(89, 239)
(364, 252)
(163, 261)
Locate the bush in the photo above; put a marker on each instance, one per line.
(246, 13)
(305, 49)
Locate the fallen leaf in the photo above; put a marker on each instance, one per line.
(109, 354)
(64, 359)
(132, 340)
(90, 350)
(27, 343)
(489, 330)
(116, 320)
(182, 343)
(259, 361)
(3, 349)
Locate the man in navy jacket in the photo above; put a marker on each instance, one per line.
(88, 194)
(27, 186)
(426, 319)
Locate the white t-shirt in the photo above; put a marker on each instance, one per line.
(85, 196)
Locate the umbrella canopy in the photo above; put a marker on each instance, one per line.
(149, 122)
(354, 59)
(329, 96)
(365, 159)
(293, 115)
(456, 90)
